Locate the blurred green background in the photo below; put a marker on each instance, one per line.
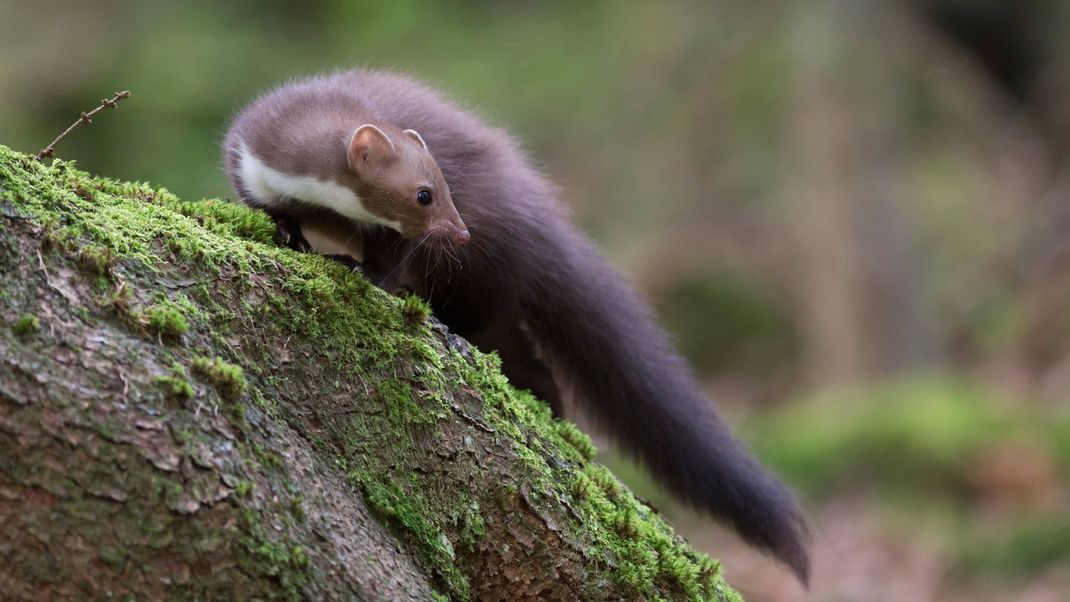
(853, 216)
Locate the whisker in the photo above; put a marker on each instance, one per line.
(475, 245)
(454, 255)
(440, 250)
(434, 279)
(449, 261)
(400, 267)
(449, 273)
(351, 237)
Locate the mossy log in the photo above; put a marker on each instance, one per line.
(189, 411)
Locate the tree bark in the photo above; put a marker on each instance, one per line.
(188, 411)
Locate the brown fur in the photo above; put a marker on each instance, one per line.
(530, 280)
(345, 142)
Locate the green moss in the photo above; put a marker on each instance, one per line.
(297, 508)
(176, 386)
(401, 403)
(285, 561)
(267, 458)
(26, 325)
(473, 530)
(166, 320)
(57, 236)
(298, 557)
(423, 350)
(606, 481)
(644, 553)
(408, 512)
(581, 485)
(228, 219)
(114, 557)
(627, 523)
(359, 325)
(244, 488)
(468, 522)
(575, 438)
(96, 259)
(228, 379)
(680, 570)
(176, 383)
(415, 309)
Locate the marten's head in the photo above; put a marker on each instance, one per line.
(398, 181)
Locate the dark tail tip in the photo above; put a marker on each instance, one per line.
(731, 485)
(774, 524)
(789, 547)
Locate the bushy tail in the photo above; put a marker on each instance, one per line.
(591, 324)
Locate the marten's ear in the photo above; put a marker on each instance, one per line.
(370, 145)
(416, 136)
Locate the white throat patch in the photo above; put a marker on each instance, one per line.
(272, 187)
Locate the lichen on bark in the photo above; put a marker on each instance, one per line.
(189, 411)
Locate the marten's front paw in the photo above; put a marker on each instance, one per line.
(354, 266)
(288, 231)
(370, 274)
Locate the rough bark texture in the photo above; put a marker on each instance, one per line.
(188, 411)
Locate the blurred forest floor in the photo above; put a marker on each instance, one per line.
(853, 216)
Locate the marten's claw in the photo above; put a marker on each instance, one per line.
(289, 234)
(354, 266)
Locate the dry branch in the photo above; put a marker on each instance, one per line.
(85, 118)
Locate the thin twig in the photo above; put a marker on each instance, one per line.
(122, 379)
(85, 118)
(41, 262)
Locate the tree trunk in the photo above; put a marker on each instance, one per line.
(188, 411)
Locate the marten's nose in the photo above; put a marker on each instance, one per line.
(462, 237)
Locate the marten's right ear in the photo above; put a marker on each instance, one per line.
(417, 137)
(369, 146)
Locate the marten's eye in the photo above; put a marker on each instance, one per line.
(424, 197)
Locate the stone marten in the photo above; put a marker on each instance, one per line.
(453, 210)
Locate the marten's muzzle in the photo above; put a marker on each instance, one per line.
(450, 232)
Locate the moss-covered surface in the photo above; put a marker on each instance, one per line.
(166, 320)
(228, 379)
(26, 324)
(266, 389)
